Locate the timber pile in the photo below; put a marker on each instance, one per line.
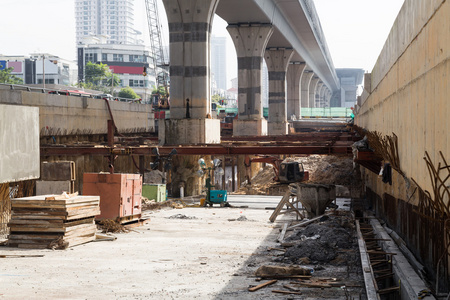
(53, 221)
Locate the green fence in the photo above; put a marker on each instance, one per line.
(328, 112)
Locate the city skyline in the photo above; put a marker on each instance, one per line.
(355, 30)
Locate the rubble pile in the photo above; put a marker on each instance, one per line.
(321, 243)
(323, 169)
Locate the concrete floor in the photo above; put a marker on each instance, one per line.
(201, 258)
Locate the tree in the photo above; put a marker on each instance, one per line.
(95, 73)
(6, 77)
(128, 92)
(98, 76)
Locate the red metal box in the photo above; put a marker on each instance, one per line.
(120, 194)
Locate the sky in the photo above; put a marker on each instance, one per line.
(355, 30)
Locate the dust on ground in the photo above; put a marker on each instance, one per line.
(323, 169)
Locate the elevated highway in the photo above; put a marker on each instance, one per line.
(286, 34)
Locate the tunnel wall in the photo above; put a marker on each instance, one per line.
(410, 86)
(408, 95)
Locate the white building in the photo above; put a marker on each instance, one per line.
(126, 61)
(114, 18)
(34, 68)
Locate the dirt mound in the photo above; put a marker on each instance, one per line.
(328, 169)
(320, 242)
(314, 250)
(323, 169)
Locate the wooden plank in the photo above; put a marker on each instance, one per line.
(36, 222)
(286, 292)
(37, 228)
(64, 197)
(15, 256)
(260, 286)
(79, 241)
(53, 204)
(82, 213)
(389, 290)
(307, 222)
(280, 206)
(33, 236)
(283, 232)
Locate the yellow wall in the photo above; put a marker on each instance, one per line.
(410, 82)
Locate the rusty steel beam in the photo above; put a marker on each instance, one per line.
(318, 136)
(199, 150)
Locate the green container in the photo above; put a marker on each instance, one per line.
(155, 192)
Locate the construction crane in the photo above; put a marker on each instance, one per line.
(154, 27)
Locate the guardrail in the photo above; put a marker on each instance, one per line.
(67, 92)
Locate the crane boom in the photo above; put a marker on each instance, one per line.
(154, 28)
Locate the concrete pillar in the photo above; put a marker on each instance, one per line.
(312, 91)
(250, 41)
(294, 77)
(277, 61)
(317, 97)
(328, 95)
(322, 96)
(190, 121)
(305, 82)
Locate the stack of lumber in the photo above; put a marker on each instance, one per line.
(53, 221)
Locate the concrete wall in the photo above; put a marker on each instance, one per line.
(408, 94)
(63, 115)
(19, 143)
(410, 84)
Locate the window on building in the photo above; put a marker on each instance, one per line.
(92, 57)
(136, 58)
(117, 57)
(136, 83)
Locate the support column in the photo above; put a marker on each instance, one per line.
(317, 97)
(294, 77)
(306, 81)
(190, 121)
(277, 61)
(328, 95)
(322, 95)
(250, 41)
(312, 91)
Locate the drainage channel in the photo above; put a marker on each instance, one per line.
(388, 274)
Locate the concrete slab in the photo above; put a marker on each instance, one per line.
(19, 140)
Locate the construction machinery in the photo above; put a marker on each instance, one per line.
(160, 99)
(285, 172)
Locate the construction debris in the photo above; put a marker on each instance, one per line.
(282, 271)
(181, 216)
(108, 225)
(320, 243)
(260, 286)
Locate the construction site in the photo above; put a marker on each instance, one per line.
(102, 197)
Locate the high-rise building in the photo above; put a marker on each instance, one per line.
(219, 61)
(112, 18)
